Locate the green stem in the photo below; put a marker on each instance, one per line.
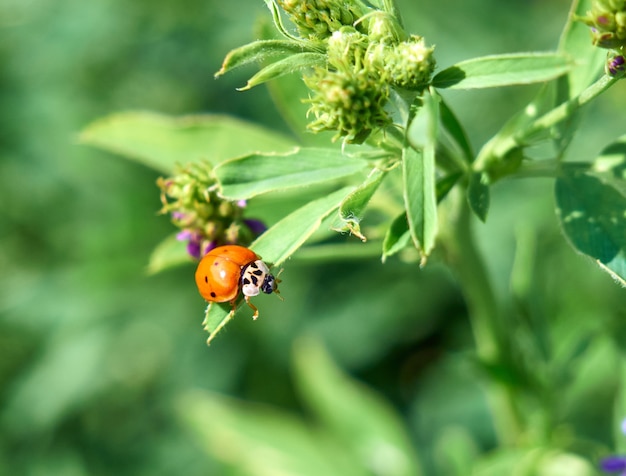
(487, 325)
(498, 148)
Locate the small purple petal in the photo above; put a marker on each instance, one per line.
(613, 464)
(185, 235)
(256, 226)
(178, 215)
(193, 248)
(242, 203)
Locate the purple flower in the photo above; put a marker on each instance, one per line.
(194, 242)
(614, 464)
(615, 65)
(193, 248)
(256, 226)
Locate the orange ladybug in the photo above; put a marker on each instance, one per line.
(226, 271)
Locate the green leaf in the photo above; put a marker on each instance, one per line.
(285, 66)
(277, 244)
(592, 214)
(454, 128)
(353, 206)
(397, 236)
(256, 173)
(503, 70)
(168, 254)
(362, 421)
(161, 142)
(285, 237)
(278, 22)
(259, 440)
(258, 51)
(418, 168)
(478, 195)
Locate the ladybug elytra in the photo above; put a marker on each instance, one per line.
(227, 270)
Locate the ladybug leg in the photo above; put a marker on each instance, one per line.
(253, 307)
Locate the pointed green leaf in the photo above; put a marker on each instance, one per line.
(397, 236)
(277, 244)
(353, 206)
(418, 169)
(160, 142)
(256, 173)
(168, 254)
(478, 195)
(362, 421)
(503, 70)
(454, 128)
(285, 66)
(258, 51)
(593, 217)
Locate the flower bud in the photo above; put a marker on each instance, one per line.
(349, 102)
(320, 18)
(206, 219)
(410, 64)
(607, 19)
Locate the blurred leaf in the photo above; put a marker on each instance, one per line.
(161, 142)
(503, 70)
(397, 236)
(418, 168)
(478, 195)
(533, 461)
(167, 254)
(257, 173)
(591, 213)
(68, 372)
(260, 441)
(285, 66)
(353, 206)
(258, 51)
(455, 451)
(362, 421)
(277, 244)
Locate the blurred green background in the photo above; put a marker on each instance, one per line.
(94, 353)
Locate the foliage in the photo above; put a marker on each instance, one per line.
(492, 348)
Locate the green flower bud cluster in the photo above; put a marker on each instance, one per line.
(206, 220)
(607, 19)
(320, 18)
(350, 94)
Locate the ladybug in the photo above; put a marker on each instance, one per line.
(227, 270)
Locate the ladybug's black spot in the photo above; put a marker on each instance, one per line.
(254, 279)
(254, 265)
(258, 272)
(246, 281)
(206, 279)
(213, 294)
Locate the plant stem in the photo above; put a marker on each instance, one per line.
(488, 328)
(498, 148)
